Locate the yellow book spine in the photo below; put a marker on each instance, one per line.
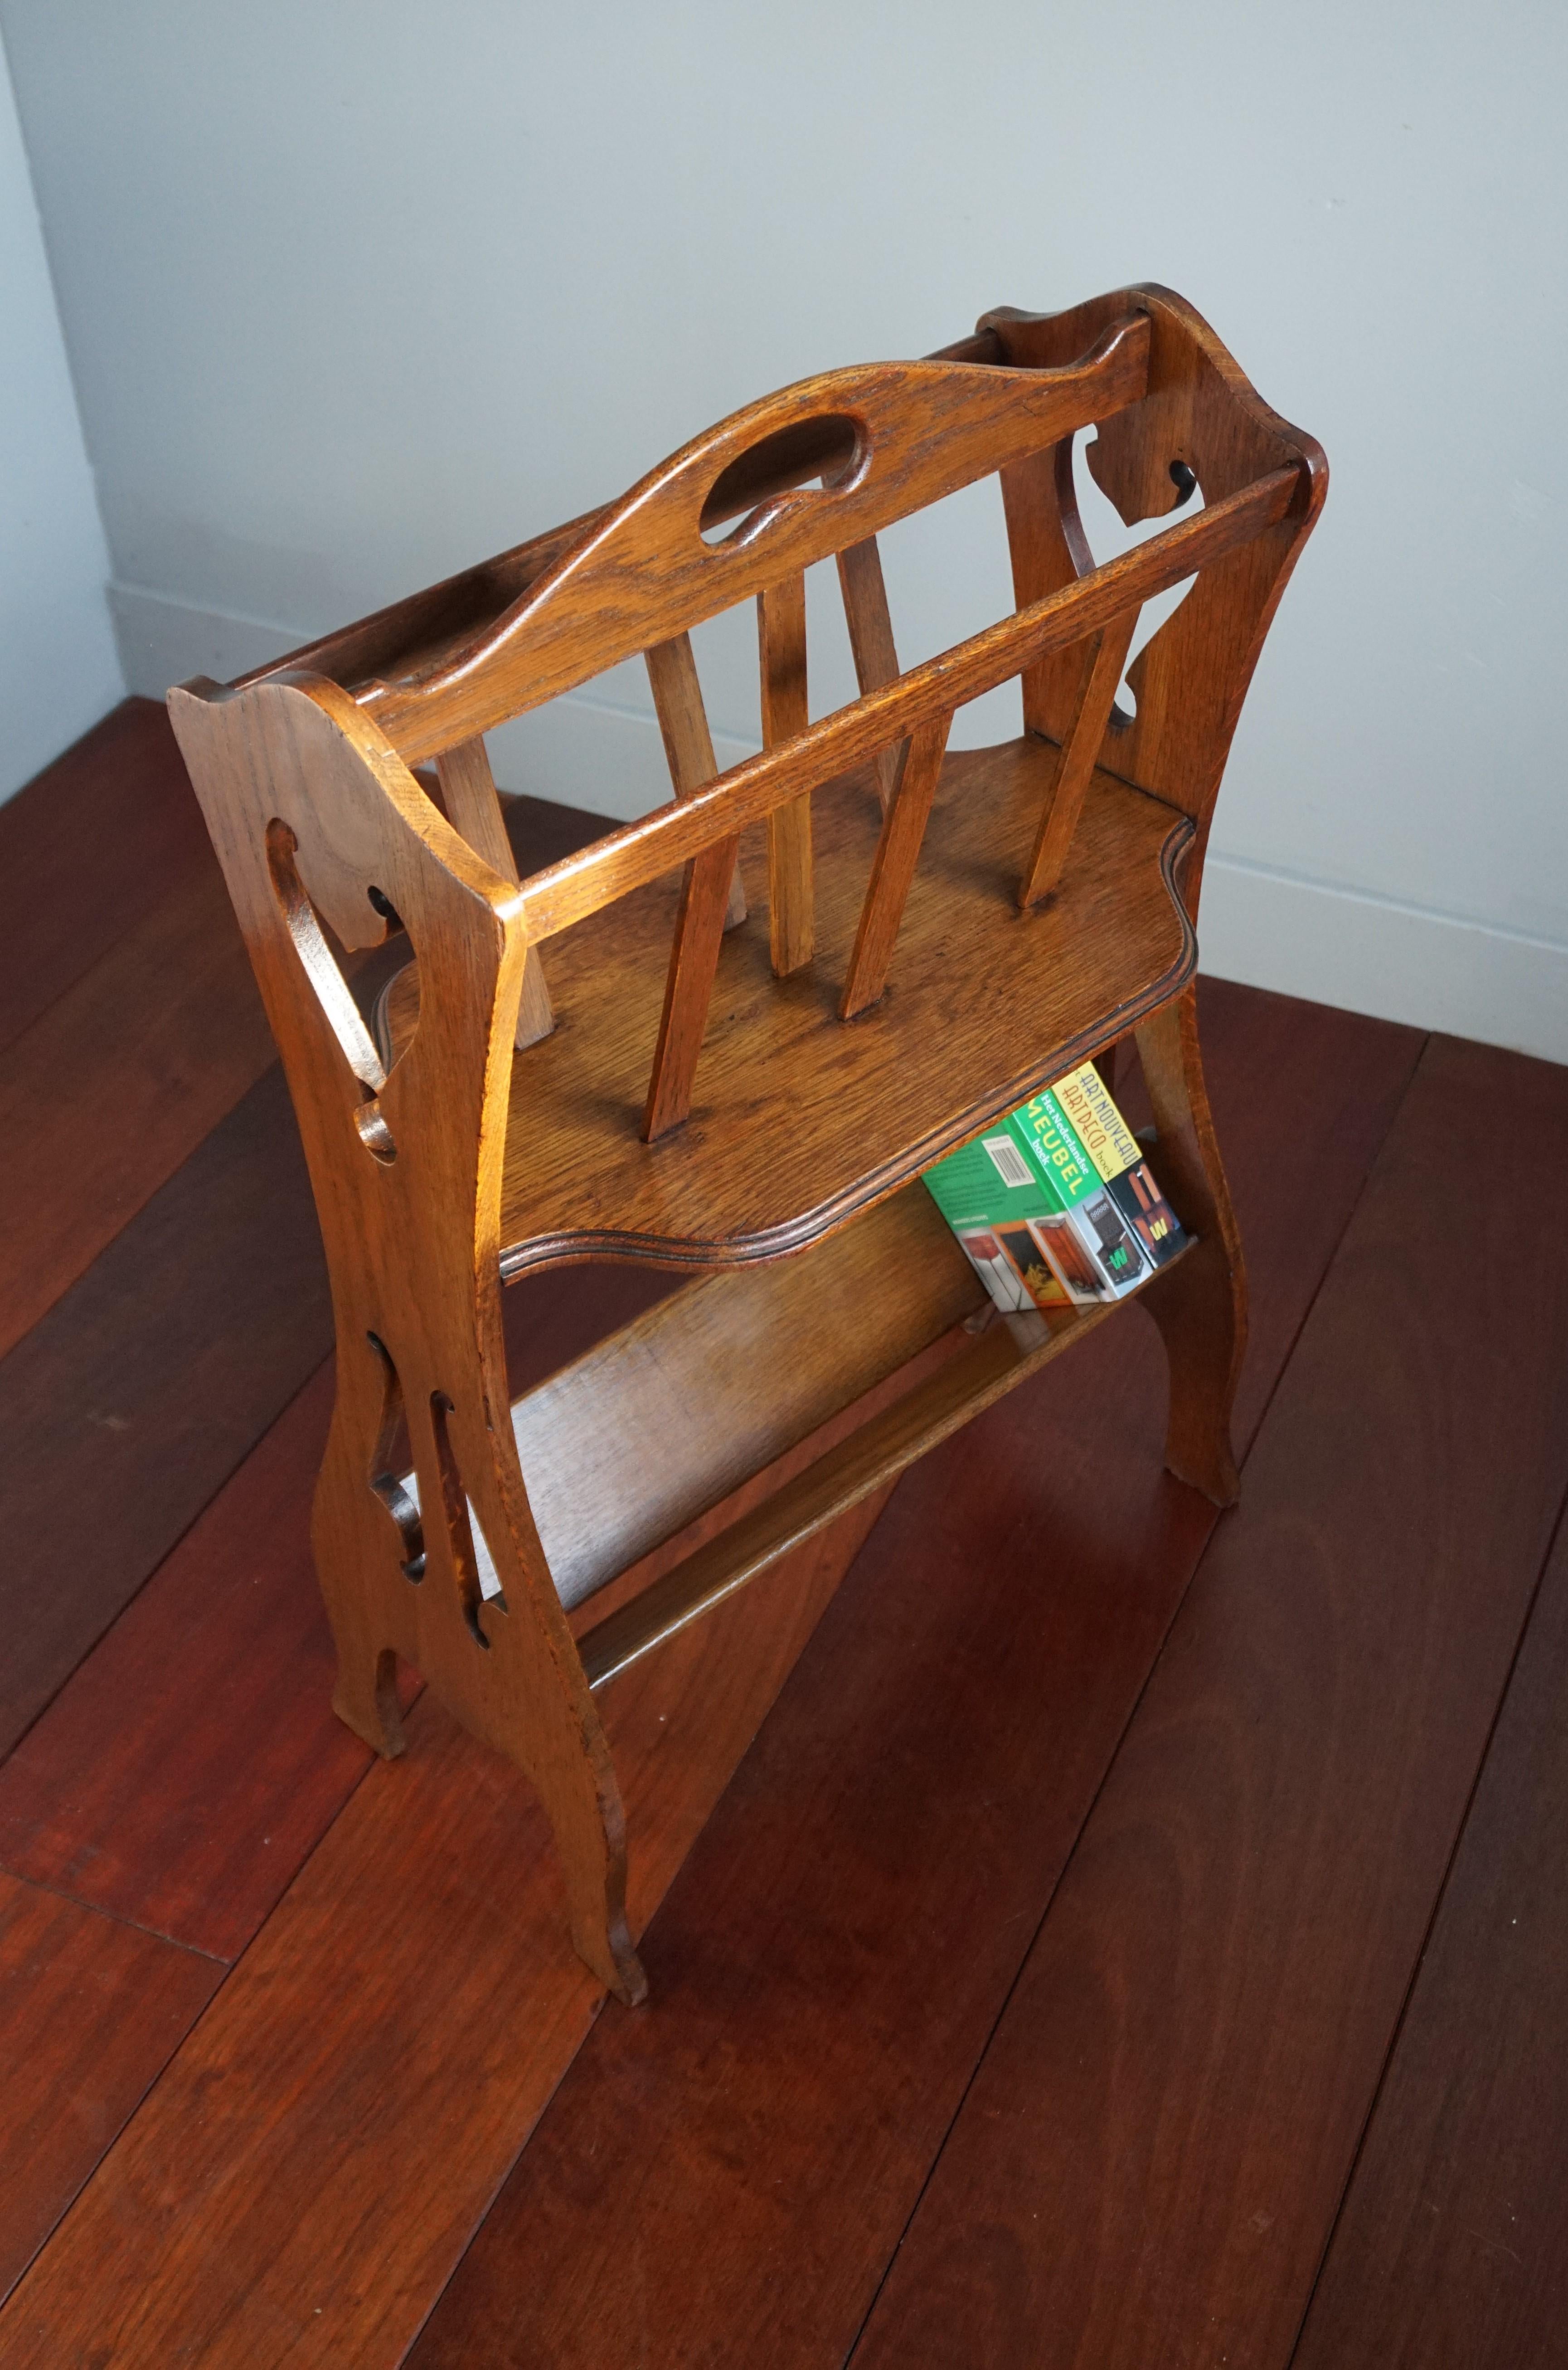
(1100, 1127)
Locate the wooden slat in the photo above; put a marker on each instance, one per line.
(1448, 2252)
(687, 744)
(871, 641)
(1222, 1971)
(308, 2172)
(1049, 550)
(847, 1930)
(130, 1404)
(893, 867)
(781, 642)
(711, 897)
(115, 1085)
(473, 808)
(700, 924)
(90, 2013)
(642, 851)
(110, 829)
(1103, 662)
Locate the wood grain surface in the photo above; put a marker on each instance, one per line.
(726, 2181)
(90, 2013)
(744, 1175)
(189, 1767)
(1448, 2253)
(303, 2179)
(131, 1402)
(1147, 2166)
(118, 1083)
(438, 1174)
(107, 831)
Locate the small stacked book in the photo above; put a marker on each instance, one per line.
(1055, 1205)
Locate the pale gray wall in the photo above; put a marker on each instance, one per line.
(356, 293)
(59, 669)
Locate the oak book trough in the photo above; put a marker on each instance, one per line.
(728, 1038)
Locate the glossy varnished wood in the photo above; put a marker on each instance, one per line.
(883, 439)
(472, 807)
(110, 1089)
(744, 1179)
(306, 2175)
(729, 2177)
(91, 2011)
(781, 1347)
(109, 828)
(768, 1119)
(1221, 1973)
(130, 1404)
(1448, 2254)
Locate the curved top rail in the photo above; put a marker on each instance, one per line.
(885, 438)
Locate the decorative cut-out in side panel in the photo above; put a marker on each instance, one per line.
(1108, 538)
(330, 986)
(471, 1556)
(391, 1491)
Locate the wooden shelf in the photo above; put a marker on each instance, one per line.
(1014, 999)
(984, 1367)
(886, 1318)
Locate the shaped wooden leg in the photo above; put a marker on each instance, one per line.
(365, 1697)
(524, 1690)
(1201, 1305)
(590, 1836)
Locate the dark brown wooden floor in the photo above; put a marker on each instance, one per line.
(1131, 1937)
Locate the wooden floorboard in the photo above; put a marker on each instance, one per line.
(90, 2013)
(116, 1085)
(1147, 2164)
(109, 828)
(131, 1403)
(724, 2181)
(305, 2176)
(1451, 2252)
(184, 1774)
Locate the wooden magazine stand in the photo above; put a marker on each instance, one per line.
(944, 933)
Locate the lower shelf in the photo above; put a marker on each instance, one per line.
(871, 1347)
(1010, 1349)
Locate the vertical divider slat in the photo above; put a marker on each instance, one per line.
(1104, 657)
(871, 641)
(781, 640)
(893, 867)
(473, 809)
(713, 898)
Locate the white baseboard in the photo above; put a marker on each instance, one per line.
(1268, 929)
(1398, 962)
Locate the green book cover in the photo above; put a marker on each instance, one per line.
(1046, 1211)
(1013, 1223)
(1044, 1127)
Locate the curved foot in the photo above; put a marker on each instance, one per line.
(365, 1699)
(605, 1946)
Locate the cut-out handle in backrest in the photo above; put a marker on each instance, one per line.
(891, 437)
